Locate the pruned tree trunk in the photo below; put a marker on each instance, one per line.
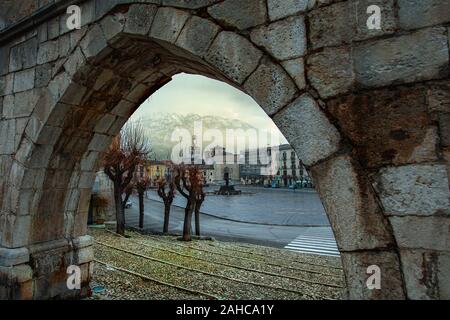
(197, 221)
(141, 209)
(120, 213)
(198, 205)
(167, 199)
(189, 183)
(166, 217)
(188, 221)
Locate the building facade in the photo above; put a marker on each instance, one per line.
(279, 164)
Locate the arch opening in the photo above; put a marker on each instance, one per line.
(59, 123)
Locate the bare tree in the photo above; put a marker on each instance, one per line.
(188, 180)
(200, 197)
(141, 185)
(166, 190)
(129, 149)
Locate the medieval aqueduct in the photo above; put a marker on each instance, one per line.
(368, 111)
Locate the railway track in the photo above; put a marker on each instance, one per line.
(206, 273)
(230, 265)
(147, 278)
(256, 260)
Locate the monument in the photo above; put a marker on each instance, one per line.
(227, 189)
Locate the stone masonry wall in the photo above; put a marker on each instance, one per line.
(367, 111)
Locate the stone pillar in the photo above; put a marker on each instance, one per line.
(40, 271)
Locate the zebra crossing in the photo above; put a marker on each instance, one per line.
(318, 241)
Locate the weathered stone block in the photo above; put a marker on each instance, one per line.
(29, 198)
(117, 125)
(138, 93)
(85, 255)
(24, 103)
(168, 23)
(16, 230)
(444, 276)
(234, 55)
(345, 22)
(351, 205)
(48, 134)
(388, 127)
(282, 8)
(94, 42)
(74, 62)
(83, 242)
(388, 18)
(99, 142)
(112, 25)
(330, 72)
(423, 55)
(17, 274)
(6, 84)
(271, 87)
(422, 232)
(48, 51)
(86, 180)
(4, 56)
(140, 18)
(296, 69)
(7, 129)
(438, 97)
(24, 80)
(284, 39)
(420, 189)
(337, 18)
(444, 129)
(355, 266)
(53, 26)
(64, 45)
(41, 156)
(240, 14)
(8, 105)
(308, 130)
(124, 109)
(197, 35)
(24, 55)
(105, 123)
(190, 4)
(74, 94)
(43, 75)
(426, 274)
(418, 14)
(12, 257)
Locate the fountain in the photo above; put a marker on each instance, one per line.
(227, 189)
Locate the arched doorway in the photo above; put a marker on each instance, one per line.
(125, 52)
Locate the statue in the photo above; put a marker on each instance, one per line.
(227, 189)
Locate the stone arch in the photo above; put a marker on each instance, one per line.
(100, 74)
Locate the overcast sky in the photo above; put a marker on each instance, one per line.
(187, 94)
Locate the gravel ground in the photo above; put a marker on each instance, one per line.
(208, 269)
